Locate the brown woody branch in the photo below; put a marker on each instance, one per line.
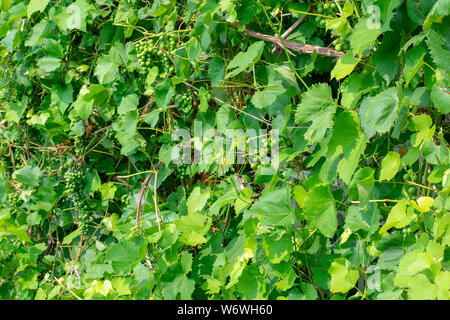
(295, 46)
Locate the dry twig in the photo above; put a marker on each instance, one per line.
(297, 47)
(287, 33)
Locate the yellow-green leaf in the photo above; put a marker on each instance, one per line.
(389, 166)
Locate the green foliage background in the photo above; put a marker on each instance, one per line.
(90, 92)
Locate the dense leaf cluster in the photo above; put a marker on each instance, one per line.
(92, 205)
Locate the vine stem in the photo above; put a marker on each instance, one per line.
(136, 174)
(155, 201)
(380, 200)
(141, 194)
(309, 236)
(66, 288)
(406, 183)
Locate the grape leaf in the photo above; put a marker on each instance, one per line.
(28, 175)
(317, 105)
(36, 6)
(245, 59)
(344, 66)
(216, 71)
(390, 165)
(347, 138)
(378, 113)
(365, 32)
(276, 207)
(320, 211)
(343, 275)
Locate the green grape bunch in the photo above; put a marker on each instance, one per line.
(184, 101)
(110, 133)
(152, 54)
(73, 120)
(13, 200)
(342, 44)
(80, 147)
(330, 7)
(182, 172)
(79, 142)
(74, 188)
(19, 154)
(126, 201)
(324, 9)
